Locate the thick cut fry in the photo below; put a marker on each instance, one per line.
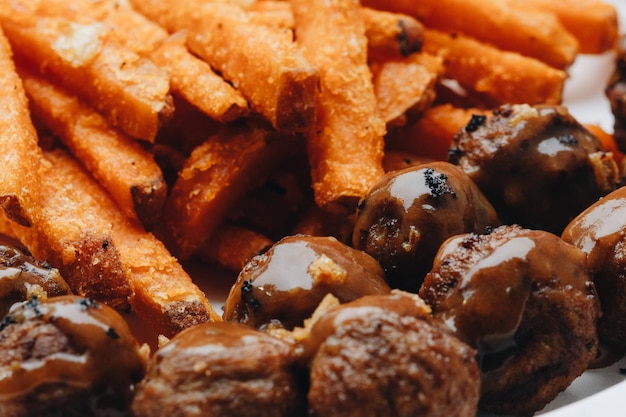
(164, 295)
(128, 89)
(117, 162)
(262, 62)
(232, 247)
(432, 135)
(405, 88)
(71, 234)
(508, 77)
(346, 146)
(218, 173)
(194, 80)
(20, 157)
(593, 23)
(504, 23)
(391, 35)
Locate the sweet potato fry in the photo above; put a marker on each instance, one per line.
(346, 146)
(163, 294)
(593, 23)
(405, 88)
(70, 233)
(117, 162)
(315, 221)
(506, 76)
(392, 35)
(128, 89)
(218, 173)
(277, 81)
(432, 134)
(195, 80)
(232, 247)
(262, 62)
(20, 157)
(507, 24)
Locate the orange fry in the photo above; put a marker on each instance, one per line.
(218, 173)
(232, 247)
(129, 90)
(72, 235)
(164, 295)
(194, 80)
(393, 35)
(118, 162)
(506, 76)
(507, 24)
(593, 23)
(20, 157)
(346, 146)
(431, 136)
(277, 81)
(405, 88)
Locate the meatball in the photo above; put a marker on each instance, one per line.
(67, 356)
(406, 216)
(600, 232)
(382, 355)
(283, 286)
(525, 300)
(221, 369)
(22, 276)
(537, 165)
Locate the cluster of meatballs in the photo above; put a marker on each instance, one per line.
(485, 282)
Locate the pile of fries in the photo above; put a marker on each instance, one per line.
(138, 134)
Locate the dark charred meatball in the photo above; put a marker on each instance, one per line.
(406, 216)
(221, 369)
(382, 355)
(537, 165)
(22, 276)
(525, 300)
(283, 286)
(600, 232)
(67, 356)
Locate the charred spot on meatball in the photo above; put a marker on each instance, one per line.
(406, 216)
(537, 165)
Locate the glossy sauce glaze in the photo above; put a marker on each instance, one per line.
(100, 353)
(221, 368)
(537, 165)
(600, 232)
(526, 301)
(21, 276)
(480, 284)
(406, 216)
(284, 285)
